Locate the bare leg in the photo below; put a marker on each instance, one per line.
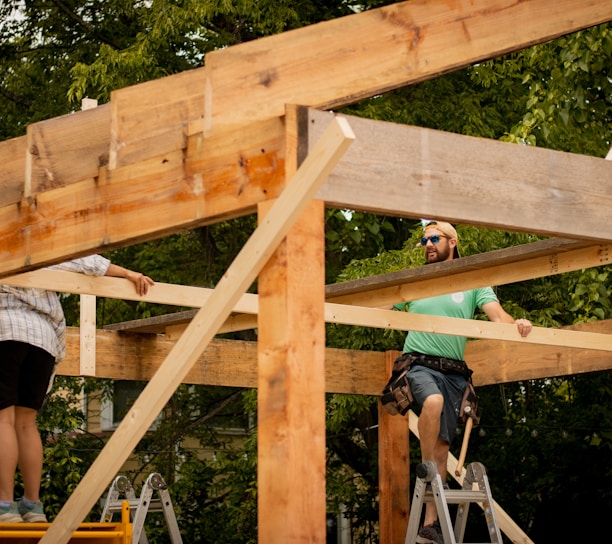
(432, 447)
(30, 451)
(8, 453)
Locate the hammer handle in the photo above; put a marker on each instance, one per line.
(464, 446)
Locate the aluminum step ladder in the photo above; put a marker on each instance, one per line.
(430, 488)
(140, 506)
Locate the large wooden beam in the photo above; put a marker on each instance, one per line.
(393, 471)
(127, 356)
(351, 58)
(145, 200)
(416, 172)
(291, 386)
(229, 363)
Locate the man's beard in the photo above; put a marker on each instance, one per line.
(439, 256)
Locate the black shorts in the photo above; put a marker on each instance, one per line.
(425, 381)
(25, 374)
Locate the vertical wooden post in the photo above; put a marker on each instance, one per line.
(87, 329)
(394, 471)
(291, 380)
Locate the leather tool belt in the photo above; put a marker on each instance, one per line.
(397, 397)
(441, 364)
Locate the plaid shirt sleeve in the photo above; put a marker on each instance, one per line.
(35, 316)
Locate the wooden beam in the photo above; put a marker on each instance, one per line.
(499, 267)
(502, 362)
(239, 276)
(422, 172)
(351, 58)
(291, 407)
(87, 344)
(472, 328)
(140, 202)
(334, 313)
(234, 363)
(228, 363)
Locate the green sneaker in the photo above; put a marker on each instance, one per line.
(33, 513)
(10, 514)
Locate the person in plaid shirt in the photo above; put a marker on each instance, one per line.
(32, 343)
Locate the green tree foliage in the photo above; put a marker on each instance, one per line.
(544, 442)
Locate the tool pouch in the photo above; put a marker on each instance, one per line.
(469, 405)
(396, 396)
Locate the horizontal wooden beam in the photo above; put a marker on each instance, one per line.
(500, 267)
(334, 313)
(472, 328)
(420, 172)
(157, 196)
(345, 60)
(231, 363)
(129, 356)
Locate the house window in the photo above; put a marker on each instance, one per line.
(115, 409)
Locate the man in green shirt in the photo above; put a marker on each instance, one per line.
(438, 375)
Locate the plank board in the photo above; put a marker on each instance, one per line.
(407, 171)
(334, 313)
(471, 328)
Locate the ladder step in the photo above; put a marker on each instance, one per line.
(458, 496)
(155, 505)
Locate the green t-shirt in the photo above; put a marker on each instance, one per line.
(462, 304)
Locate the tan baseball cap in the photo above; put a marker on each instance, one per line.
(448, 230)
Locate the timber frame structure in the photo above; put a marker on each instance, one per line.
(251, 131)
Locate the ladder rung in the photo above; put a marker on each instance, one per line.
(458, 496)
(155, 505)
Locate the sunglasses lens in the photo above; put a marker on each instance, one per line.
(434, 239)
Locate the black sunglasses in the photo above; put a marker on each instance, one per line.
(434, 239)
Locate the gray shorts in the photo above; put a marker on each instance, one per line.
(425, 381)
